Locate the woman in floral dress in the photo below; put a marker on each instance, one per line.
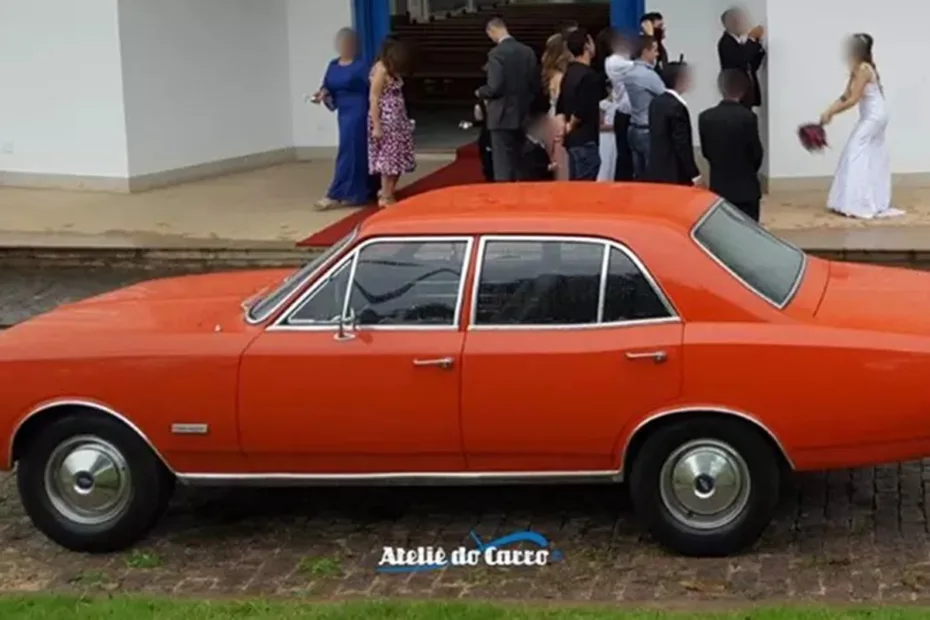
(390, 132)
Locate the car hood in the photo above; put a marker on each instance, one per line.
(169, 305)
(876, 298)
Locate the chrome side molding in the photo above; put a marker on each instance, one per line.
(402, 478)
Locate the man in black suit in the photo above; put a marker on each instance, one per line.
(740, 47)
(653, 25)
(671, 147)
(580, 94)
(514, 83)
(730, 143)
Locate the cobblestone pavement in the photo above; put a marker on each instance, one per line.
(846, 535)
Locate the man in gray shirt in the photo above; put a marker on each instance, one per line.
(642, 84)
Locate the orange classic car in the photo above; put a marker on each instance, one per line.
(493, 334)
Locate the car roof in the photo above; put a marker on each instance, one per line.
(578, 207)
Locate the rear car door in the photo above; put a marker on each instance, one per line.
(569, 339)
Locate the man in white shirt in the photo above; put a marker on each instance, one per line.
(617, 65)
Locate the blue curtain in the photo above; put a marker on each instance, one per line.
(372, 23)
(625, 14)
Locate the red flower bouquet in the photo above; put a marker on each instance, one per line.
(813, 137)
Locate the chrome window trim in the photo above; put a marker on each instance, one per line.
(608, 245)
(284, 323)
(86, 404)
(264, 317)
(698, 409)
(794, 287)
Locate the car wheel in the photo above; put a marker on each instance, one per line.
(705, 487)
(92, 484)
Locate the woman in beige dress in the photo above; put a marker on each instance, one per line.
(554, 62)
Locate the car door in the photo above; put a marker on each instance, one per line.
(569, 339)
(377, 393)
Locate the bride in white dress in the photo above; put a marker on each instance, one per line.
(862, 185)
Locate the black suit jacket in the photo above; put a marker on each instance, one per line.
(746, 57)
(730, 143)
(671, 148)
(514, 84)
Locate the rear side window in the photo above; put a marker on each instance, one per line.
(541, 282)
(766, 264)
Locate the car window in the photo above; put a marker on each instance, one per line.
(766, 264)
(326, 303)
(408, 283)
(260, 310)
(539, 283)
(628, 294)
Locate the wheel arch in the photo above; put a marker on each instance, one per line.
(653, 423)
(48, 412)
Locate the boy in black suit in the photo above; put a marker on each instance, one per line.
(730, 142)
(671, 147)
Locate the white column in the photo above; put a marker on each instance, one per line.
(472, 6)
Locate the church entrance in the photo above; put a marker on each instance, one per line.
(449, 48)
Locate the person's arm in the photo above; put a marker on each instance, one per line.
(494, 88)
(684, 144)
(587, 98)
(756, 54)
(702, 132)
(854, 92)
(613, 68)
(325, 90)
(378, 80)
(733, 54)
(756, 150)
(555, 92)
(654, 83)
(608, 109)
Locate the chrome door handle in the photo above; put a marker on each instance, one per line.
(656, 356)
(442, 362)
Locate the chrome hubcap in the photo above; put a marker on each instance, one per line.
(88, 480)
(705, 484)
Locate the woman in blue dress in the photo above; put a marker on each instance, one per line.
(345, 90)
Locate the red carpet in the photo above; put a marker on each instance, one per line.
(464, 170)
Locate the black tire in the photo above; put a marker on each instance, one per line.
(731, 537)
(150, 488)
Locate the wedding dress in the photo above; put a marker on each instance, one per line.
(862, 185)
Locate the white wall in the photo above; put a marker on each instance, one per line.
(61, 107)
(806, 73)
(312, 27)
(694, 29)
(204, 81)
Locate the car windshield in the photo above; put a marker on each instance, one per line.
(766, 264)
(265, 305)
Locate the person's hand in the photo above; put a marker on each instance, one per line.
(319, 95)
(376, 132)
(648, 28)
(553, 166)
(477, 94)
(826, 117)
(757, 32)
(479, 115)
